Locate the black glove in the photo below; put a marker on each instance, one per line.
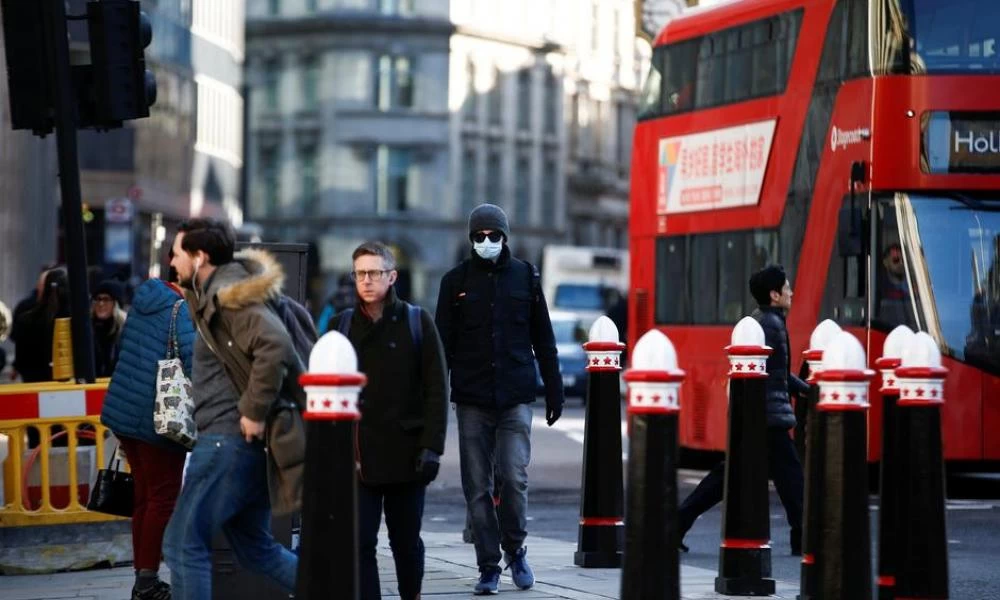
(552, 413)
(428, 465)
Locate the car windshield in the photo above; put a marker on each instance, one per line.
(578, 296)
(939, 272)
(565, 331)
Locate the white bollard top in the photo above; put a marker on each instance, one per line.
(748, 332)
(844, 353)
(333, 354)
(654, 352)
(899, 339)
(922, 351)
(603, 330)
(823, 335)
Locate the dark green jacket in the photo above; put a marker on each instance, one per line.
(240, 327)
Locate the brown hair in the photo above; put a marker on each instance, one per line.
(376, 249)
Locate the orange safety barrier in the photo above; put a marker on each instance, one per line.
(38, 420)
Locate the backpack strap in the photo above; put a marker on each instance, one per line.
(344, 325)
(416, 327)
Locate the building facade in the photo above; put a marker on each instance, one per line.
(392, 119)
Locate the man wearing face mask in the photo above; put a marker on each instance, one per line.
(494, 324)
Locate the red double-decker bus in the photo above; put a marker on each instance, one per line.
(855, 142)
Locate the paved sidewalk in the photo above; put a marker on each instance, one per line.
(450, 573)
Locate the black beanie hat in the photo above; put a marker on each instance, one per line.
(111, 288)
(488, 216)
(769, 279)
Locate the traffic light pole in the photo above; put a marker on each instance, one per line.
(69, 186)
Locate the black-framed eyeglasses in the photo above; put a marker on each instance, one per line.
(374, 275)
(479, 237)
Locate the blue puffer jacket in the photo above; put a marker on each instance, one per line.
(128, 405)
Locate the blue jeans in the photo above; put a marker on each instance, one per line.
(490, 437)
(404, 509)
(225, 489)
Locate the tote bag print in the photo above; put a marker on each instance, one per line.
(173, 414)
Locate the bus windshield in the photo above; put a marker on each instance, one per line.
(939, 272)
(952, 37)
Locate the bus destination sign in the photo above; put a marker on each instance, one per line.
(712, 170)
(961, 142)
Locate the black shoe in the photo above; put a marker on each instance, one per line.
(157, 591)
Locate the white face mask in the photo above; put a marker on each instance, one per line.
(487, 249)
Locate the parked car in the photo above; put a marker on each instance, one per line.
(570, 337)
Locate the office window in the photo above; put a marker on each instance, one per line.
(312, 5)
(524, 99)
(494, 179)
(269, 179)
(393, 179)
(272, 80)
(470, 107)
(552, 97)
(310, 82)
(469, 172)
(398, 8)
(273, 7)
(550, 183)
(595, 27)
(522, 187)
(308, 180)
(394, 83)
(495, 100)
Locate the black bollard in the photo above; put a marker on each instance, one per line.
(811, 517)
(328, 557)
(888, 550)
(745, 552)
(650, 564)
(843, 548)
(922, 566)
(602, 524)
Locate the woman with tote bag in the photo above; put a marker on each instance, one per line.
(158, 330)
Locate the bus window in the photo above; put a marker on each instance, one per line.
(652, 93)
(702, 279)
(680, 68)
(893, 302)
(946, 37)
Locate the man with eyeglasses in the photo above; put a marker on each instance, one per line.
(404, 410)
(494, 324)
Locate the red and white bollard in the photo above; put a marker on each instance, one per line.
(328, 557)
(843, 551)
(651, 565)
(888, 551)
(821, 337)
(602, 526)
(745, 551)
(922, 565)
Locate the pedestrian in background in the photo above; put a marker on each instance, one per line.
(156, 462)
(107, 318)
(34, 324)
(403, 417)
(494, 324)
(773, 293)
(243, 359)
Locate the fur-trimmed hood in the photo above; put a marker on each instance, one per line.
(254, 277)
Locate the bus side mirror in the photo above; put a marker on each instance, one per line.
(852, 228)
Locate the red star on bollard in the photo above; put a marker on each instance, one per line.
(934, 393)
(312, 404)
(607, 361)
(920, 392)
(344, 403)
(752, 367)
(835, 396)
(656, 399)
(739, 366)
(852, 396)
(327, 403)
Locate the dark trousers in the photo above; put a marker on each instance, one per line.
(157, 472)
(404, 510)
(784, 469)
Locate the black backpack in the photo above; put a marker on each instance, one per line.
(412, 317)
(299, 324)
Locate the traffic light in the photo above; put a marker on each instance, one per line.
(29, 83)
(121, 85)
